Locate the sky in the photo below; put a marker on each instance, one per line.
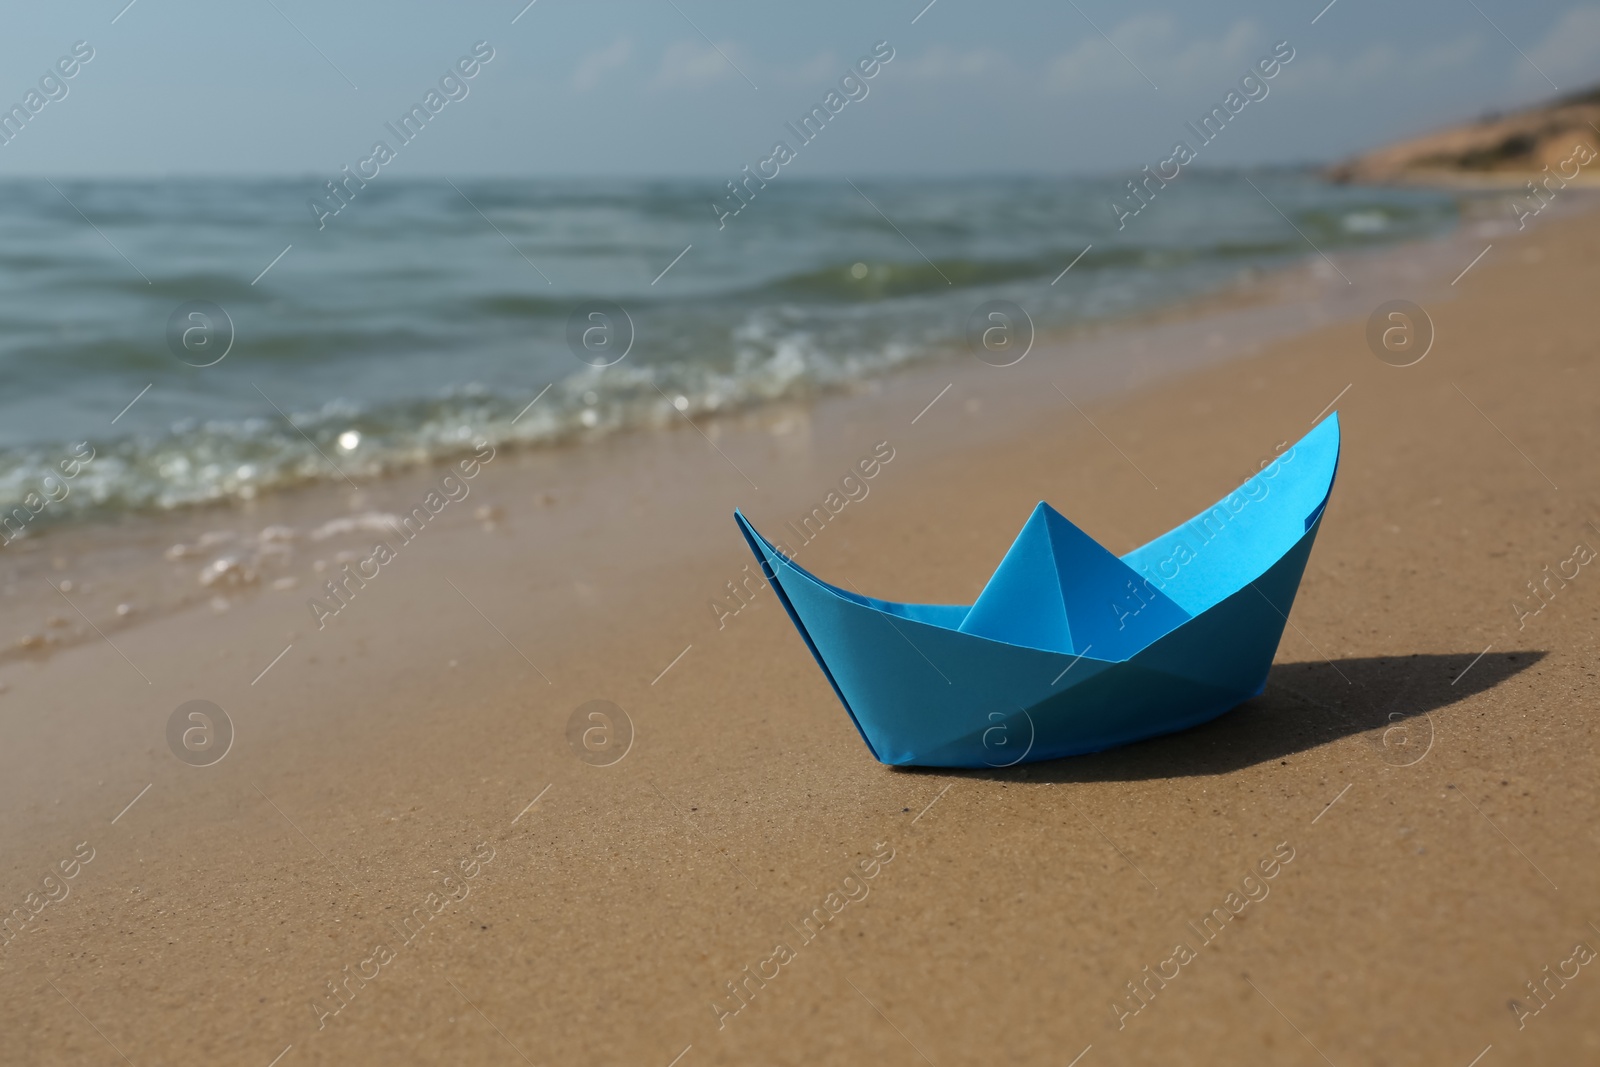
(646, 88)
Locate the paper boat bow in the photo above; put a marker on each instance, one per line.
(1070, 649)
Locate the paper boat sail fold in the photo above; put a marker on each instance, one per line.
(1058, 590)
(1070, 649)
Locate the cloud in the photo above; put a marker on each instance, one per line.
(1569, 54)
(1382, 63)
(691, 64)
(942, 63)
(1161, 51)
(594, 66)
(821, 67)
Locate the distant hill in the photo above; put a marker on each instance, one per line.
(1494, 150)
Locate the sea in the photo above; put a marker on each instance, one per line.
(210, 342)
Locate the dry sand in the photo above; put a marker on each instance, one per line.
(402, 743)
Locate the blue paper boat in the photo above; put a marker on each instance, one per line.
(1070, 649)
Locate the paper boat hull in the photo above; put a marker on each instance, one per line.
(923, 693)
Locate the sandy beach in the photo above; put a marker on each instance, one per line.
(401, 857)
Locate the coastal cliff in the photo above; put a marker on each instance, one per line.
(1494, 150)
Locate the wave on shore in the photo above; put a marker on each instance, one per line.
(414, 330)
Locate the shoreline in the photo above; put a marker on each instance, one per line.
(235, 561)
(163, 458)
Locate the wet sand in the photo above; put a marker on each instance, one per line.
(402, 858)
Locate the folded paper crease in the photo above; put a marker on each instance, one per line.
(1070, 649)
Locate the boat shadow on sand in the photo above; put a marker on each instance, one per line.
(1388, 698)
